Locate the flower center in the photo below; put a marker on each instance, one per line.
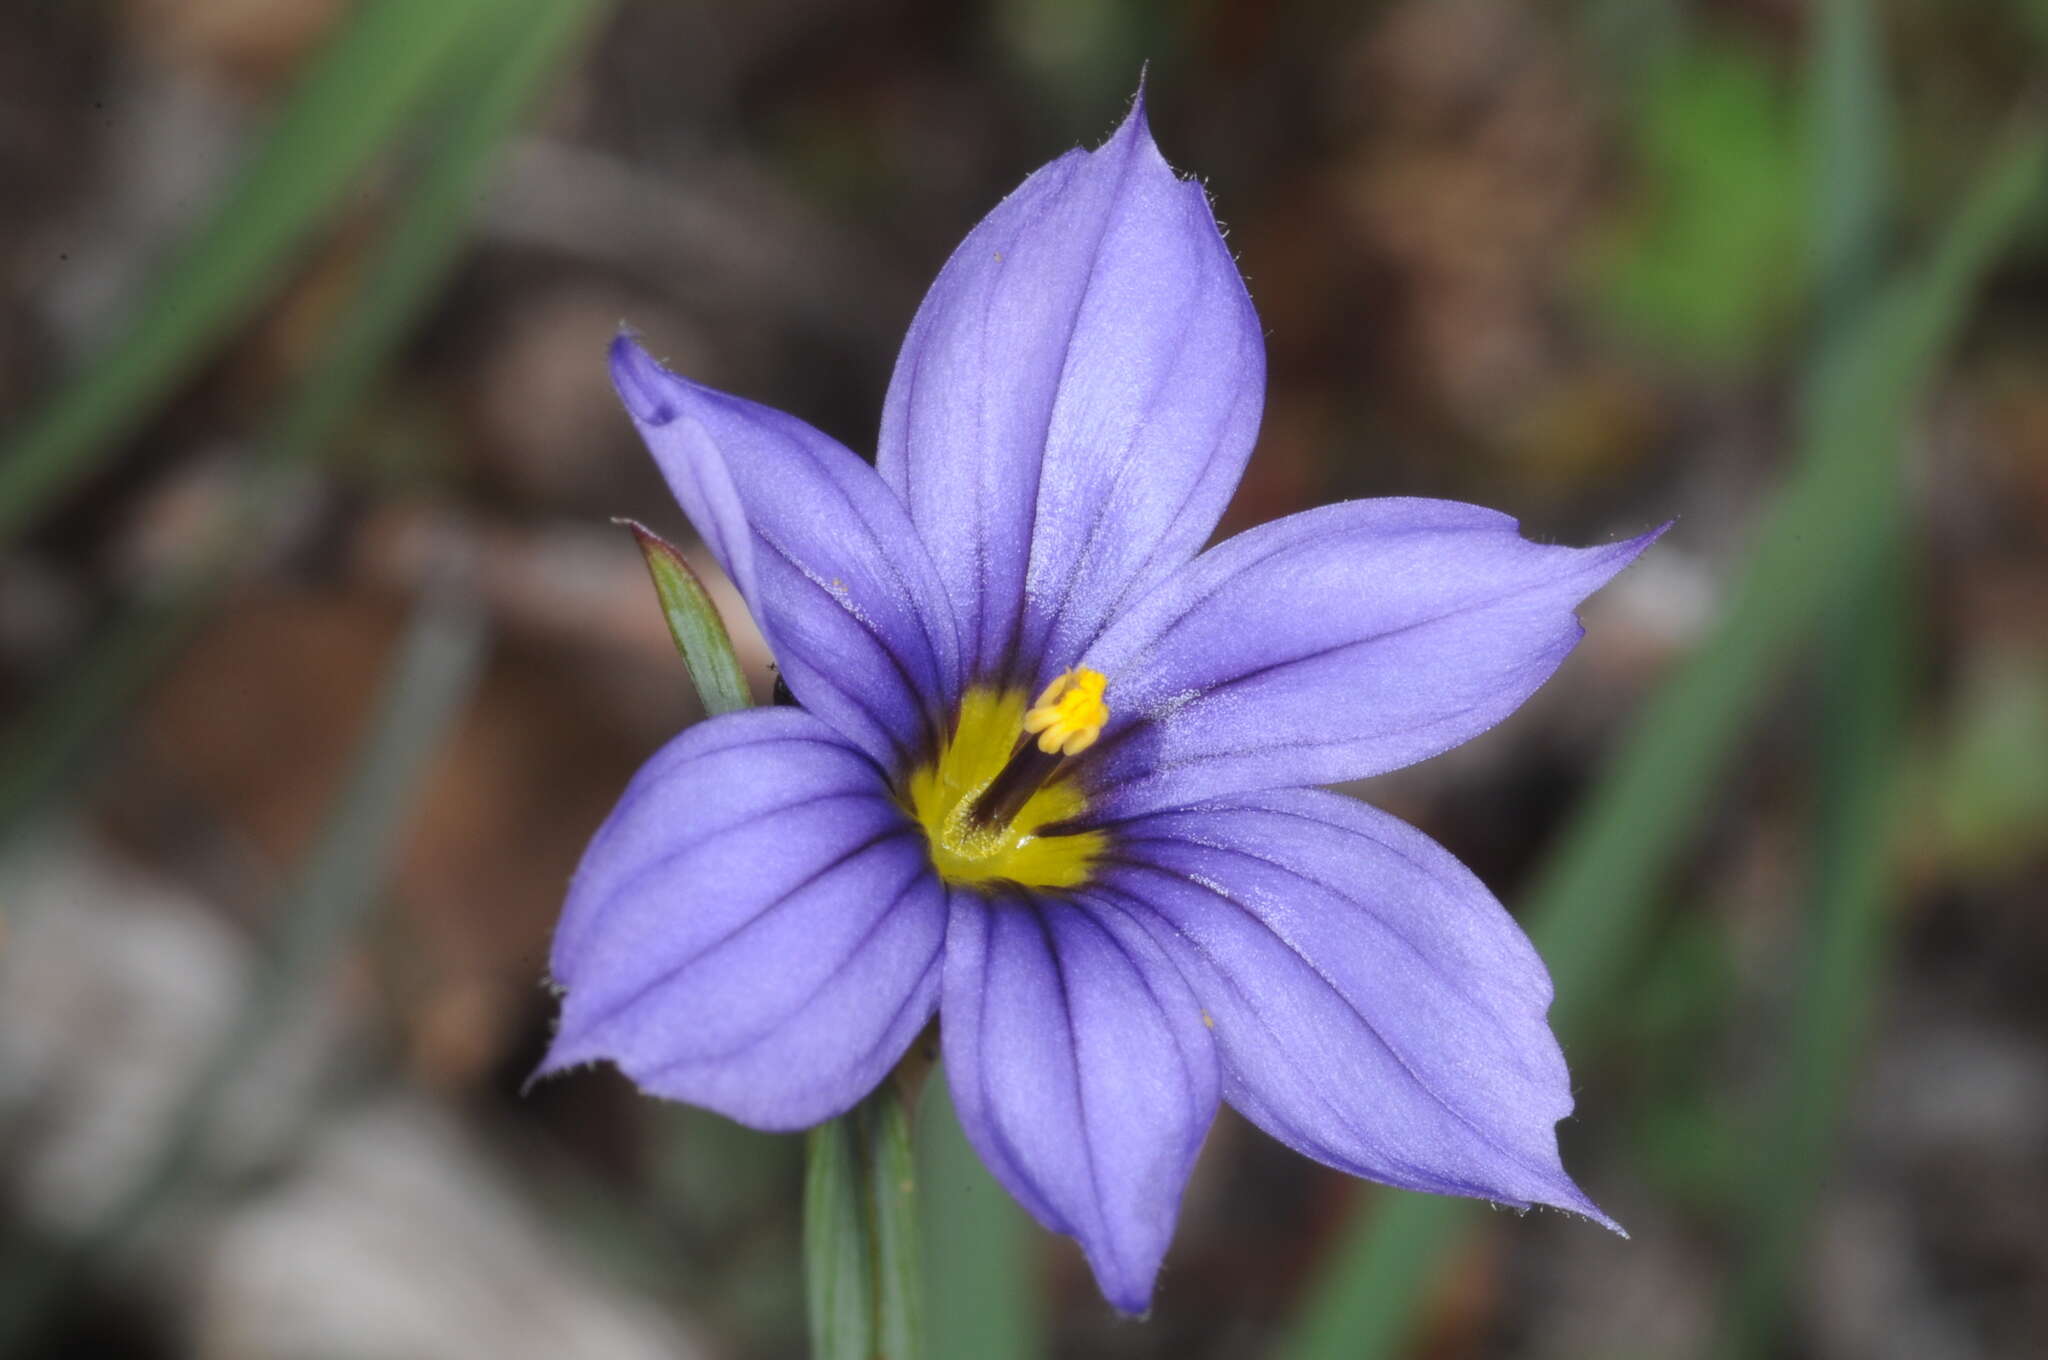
(991, 790)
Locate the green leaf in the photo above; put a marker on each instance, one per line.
(1592, 898)
(694, 623)
(359, 93)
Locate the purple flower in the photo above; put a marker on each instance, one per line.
(1052, 777)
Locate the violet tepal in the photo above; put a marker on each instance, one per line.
(1053, 773)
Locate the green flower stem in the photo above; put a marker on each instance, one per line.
(865, 1281)
(838, 1274)
(887, 1118)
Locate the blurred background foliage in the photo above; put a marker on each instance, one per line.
(320, 656)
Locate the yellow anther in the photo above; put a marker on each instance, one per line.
(1070, 714)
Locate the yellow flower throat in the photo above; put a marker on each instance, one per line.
(984, 799)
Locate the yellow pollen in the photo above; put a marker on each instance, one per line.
(1070, 715)
(942, 794)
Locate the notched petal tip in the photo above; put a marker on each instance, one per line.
(647, 389)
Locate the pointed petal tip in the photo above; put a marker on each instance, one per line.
(1573, 1200)
(1627, 550)
(647, 389)
(1609, 560)
(1592, 1214)
(560, 1058)
(625, 350)
(1137, 113)
(1135, 131)
(1125, 1289)
(1135, 1304)
(567, 1046)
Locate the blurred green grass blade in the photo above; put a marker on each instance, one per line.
(506, 64)
(892, 1205)
(371, 75)
(1385, 1268)
(839, 1288)
(694, 623)
(1593, 897)
(423, 693)
(1851, 117)
(1865, 680)
(487, 92)
(1817, 540)
(980, 1266)
(1867, 706)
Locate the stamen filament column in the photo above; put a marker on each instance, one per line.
(1008, 792)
